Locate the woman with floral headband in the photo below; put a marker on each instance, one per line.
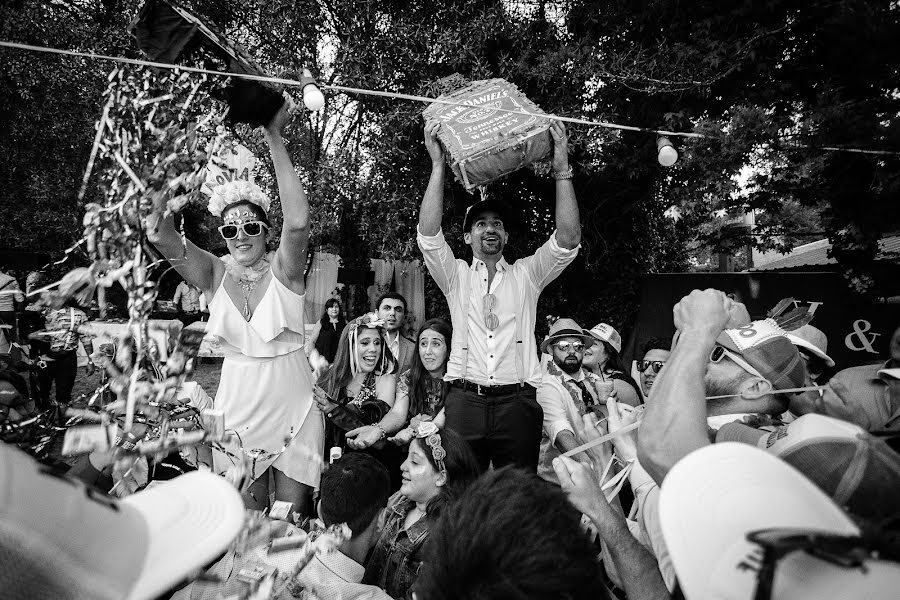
(357, 392)
(256, 313)
(438, 468)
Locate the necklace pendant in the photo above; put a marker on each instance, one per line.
(247, 313)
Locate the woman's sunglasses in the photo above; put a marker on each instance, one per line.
(656, 365)
(250, 228)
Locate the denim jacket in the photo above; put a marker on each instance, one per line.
(397, 557)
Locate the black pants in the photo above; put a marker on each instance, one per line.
(62, 371)
(503, 430)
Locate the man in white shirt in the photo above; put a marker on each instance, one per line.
(391, 307)
(565, 394)
(493, 362)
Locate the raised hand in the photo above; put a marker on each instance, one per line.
(560, 146)
(707, 312)
(432, 143)
(283, 116)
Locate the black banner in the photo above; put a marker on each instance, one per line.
(858, 332)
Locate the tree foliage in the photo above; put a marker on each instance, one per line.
(769, 83)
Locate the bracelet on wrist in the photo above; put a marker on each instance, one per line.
(565, 174)
(125, 443)
(381, 429)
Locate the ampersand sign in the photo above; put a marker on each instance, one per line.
(860, 328)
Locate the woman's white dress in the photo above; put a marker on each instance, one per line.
(266, 386)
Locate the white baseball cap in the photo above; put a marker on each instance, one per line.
(62, 539)
(715, 496)
(607, 333)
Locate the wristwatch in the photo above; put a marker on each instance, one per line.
(567, 174)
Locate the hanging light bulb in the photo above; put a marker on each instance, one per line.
(666, 153)
(312, 95)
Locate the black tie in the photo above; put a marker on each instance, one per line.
(585, 396)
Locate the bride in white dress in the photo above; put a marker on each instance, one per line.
(256, 314)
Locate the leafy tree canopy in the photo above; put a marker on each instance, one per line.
(769, 83)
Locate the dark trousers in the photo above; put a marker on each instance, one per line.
(62, 371)
(503, 430)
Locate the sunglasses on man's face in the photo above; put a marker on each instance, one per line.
(250, 228)
(565, 347)
(655, 365)
(720, 352)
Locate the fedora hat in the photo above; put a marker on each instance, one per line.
(566, 328)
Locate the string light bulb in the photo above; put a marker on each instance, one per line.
(312, 95)
(666, 153)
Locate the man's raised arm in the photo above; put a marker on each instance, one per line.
(568, 223)
(432, 210)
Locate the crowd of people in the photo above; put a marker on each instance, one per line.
(734, 461)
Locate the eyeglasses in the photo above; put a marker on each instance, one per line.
(844, 551)
(656, 365)
(488, 304)
(250, 228)
(576, 347)
(719, 352)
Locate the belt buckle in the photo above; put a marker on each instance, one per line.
(478, 389)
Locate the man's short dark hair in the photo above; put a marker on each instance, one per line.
(391, 296)
(656, 343)
(354, 490)
(510, 535)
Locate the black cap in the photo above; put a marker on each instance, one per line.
(497, 206)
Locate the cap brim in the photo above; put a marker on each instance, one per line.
(191, 520)
(714, 496)
(797, 341)
(894, 373)
(497, 206)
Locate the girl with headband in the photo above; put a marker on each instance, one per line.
(439, 467)
(256, 314)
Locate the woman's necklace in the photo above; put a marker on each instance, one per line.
(246, 277)
(247, 287)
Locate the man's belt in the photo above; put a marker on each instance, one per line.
(490, 390)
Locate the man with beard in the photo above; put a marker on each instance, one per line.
(564, 395)
(493, 362)
(723, 367)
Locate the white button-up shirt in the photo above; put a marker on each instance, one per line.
(490, 357)
(560, 412)
(393, 345)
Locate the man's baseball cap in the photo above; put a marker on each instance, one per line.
(859, 471)
(608, 334)
(565, 328)
(712, 498)
(483, 206)
(813, 340)
(60, 539)
(766, 347)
